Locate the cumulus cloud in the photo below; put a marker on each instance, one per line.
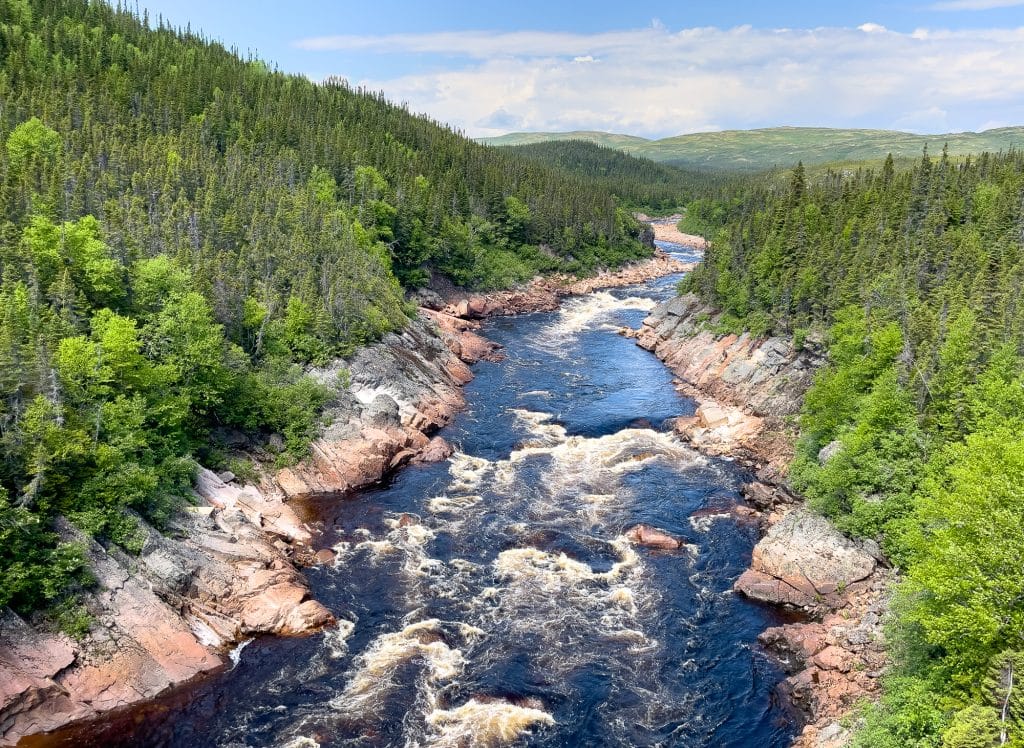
(656, 81)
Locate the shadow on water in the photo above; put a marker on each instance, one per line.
(509, 608)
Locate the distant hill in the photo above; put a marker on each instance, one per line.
(606, 139)
(638, 181)
(757, 150)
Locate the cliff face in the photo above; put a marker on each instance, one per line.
(227, 568)
(748, 392)
(747, 389)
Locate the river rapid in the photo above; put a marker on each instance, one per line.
(493, 599)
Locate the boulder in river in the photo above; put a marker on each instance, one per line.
(652, 537)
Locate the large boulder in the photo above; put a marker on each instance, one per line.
(804, 562)
(382, 411)
(437, 449)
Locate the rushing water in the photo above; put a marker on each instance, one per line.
(509, 609)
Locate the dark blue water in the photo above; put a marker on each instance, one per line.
(507, 608)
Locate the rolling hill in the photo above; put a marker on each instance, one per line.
(639, 182)
(757, 150)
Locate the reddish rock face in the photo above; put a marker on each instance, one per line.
(324, 556)
(834, 663)
(437, 449)
(408, 520)
(746, 387)
(652, 537)
(476, 308)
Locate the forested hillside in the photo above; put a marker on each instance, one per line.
(917, 278)
(183, 229)
(638, 181)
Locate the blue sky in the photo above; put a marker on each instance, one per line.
(653, 69)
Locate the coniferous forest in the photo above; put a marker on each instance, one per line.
(913, 279)
(183, 230)
(639, 182)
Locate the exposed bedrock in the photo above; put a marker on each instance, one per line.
(227, 568)
(748, 391)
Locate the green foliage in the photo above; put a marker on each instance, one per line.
(973, 727)
(638, 182)
(31, 141)
(965, 544)
(909, 715)
(37, 568)
(71, 617)
(917, 274)
(182, 231)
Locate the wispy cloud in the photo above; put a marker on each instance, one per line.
(976, 4)
(655, 81)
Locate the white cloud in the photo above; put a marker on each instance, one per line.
(872, 28)
(656, 82)
(975, 4)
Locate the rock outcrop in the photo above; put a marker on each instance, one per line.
(835, 663)
(805, 563)
(835, 658)
(400, 390)
(747, 391)
(227, 571)
(160, 619)
(651, 537)
(746, 388)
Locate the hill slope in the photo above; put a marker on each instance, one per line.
(912, 435)
(638, 181)
(182, 229)
(758, 150)
(605, 139)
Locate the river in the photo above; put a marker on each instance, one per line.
(493, 599)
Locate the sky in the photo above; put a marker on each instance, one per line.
(653, 69)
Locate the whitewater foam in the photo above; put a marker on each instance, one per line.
(579, 314)
(484, 724)
(376, 667)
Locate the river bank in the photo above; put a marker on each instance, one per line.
(229, 571)
(749, 391)
(545, 294)
(667, 230)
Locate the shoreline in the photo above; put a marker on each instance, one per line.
(255, 537)
(747, 390)
(545, 293)
(666, 229)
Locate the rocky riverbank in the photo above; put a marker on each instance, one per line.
(667, 230)
(748, 392)
(228, 569)
(545, 294)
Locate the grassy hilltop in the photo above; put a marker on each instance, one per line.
(757, 150)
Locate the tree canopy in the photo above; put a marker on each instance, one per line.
(914, 279)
